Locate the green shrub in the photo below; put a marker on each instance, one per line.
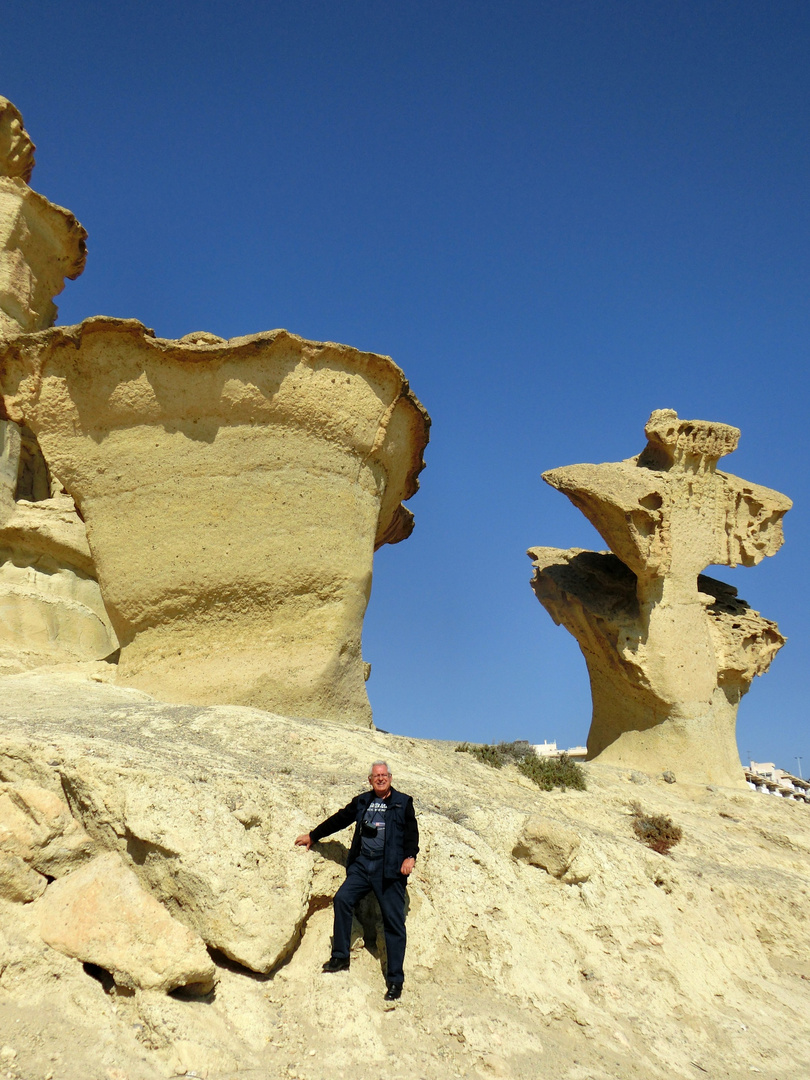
(547, 773)
(489, 755)
(655, 830)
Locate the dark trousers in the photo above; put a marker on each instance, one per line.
(363, 877)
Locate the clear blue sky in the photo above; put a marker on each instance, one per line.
(555, 216)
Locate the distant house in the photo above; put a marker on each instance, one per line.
(549, 749)
(765, 777)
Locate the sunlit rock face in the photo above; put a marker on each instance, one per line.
(41, 244)
(234, 494)
(670, 652)
(51, 609)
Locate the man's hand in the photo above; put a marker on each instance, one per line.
(306, 841)
(407, 866)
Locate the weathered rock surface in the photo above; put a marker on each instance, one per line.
(669, 653)
(234, 493)
(41, 244)
(547, 844)
(101, 915)
(19, 882)
(51, 609)
(650, 965)
(36, 825)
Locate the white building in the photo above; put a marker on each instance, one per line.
(764, 776)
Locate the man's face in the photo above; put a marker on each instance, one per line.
(380, 780)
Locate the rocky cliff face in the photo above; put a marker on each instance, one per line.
(543, 938)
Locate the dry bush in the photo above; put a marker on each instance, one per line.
(655, 830)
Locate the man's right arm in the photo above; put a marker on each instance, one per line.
(333, 824)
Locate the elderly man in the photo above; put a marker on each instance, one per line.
(382, 855)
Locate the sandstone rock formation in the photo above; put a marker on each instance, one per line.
(37, 828)
(233, 493)
(100, 915)
(41, 244)
(631, 965)
(51, 609)
(670, 652)
(547, 844)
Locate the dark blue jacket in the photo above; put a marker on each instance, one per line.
(401, 830)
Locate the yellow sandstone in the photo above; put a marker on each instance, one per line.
(670, 652)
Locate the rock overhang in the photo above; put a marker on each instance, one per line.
(251, 476)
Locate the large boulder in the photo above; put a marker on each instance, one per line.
(101, 915)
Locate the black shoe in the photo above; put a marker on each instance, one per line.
(394, 992)
(336, 963)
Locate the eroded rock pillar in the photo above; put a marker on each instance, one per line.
(670, 652)
(51, 609)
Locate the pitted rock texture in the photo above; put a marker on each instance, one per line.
(632, 964)
(234, 494)
(16, 147)
(669, 652)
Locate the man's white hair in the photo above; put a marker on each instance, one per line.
(385, 763)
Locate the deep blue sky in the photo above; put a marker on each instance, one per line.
(555, 216)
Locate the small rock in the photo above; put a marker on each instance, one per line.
(19, 882)
(547, 844)
(668, 777)
(37, 826)
(7, 1053)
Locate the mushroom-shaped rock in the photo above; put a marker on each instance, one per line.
(234, 494)
(670, 652)
(101, 915)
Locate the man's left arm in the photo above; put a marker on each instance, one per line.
(410, 839)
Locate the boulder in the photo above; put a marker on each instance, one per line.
(547, 844)
(227, 874)
(101, 915)
(19, 882)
